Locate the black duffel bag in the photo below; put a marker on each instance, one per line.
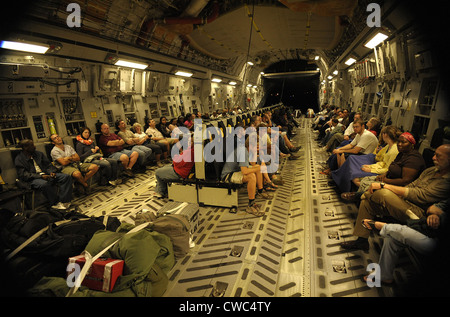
(39, 244)
(59, 235)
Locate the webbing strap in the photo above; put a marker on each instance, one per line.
(91, 259)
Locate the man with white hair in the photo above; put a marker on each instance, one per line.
(132, 143)
(403, 202)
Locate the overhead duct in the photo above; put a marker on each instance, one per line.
(194, 8)
(177, 25)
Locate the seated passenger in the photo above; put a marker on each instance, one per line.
(224, 113)
(386, 155)
(176, 127)
(181, 167)
(345, 118)
(285, 145)
(90, 153)
(145, 140)
(134, 143)
(34, 168)
(365, 142)
(406, 167)
(163, 127)
(322, 121)
(180, 122)
(280, 119)
(263, 146)
(255, 121)
(403, 203)
(172, 125)
(237, 169)
(421, 235)
(320, 117)
(374, 126)
(68, 161)
(338, 138)
(357, 166)
(327, 125)
(158, 137)
(336, 127)
(112, 147)
(188, 121)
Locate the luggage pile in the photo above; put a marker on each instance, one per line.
(56, 254)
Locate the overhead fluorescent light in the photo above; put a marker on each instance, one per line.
(335, 72)
(330, 77)
(183, 73)
(350, 61)
(377, 39)
(25, 47)
(250, 63)
(249, 85)
(216, 80)
(317, 58)
(232, 83)
(124, 63)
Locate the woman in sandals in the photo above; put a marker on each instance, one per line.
(237, 169)
(265, 138)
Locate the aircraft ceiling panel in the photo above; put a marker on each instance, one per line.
(228, 36)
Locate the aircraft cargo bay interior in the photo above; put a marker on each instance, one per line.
(194, 149)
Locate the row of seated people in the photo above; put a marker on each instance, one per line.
(281, 116)
(243, 165)
(115, 155)
(187, 120)
(398, 195)
(167, 126)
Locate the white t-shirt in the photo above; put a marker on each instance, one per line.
(36, 166)
(153, 132)
(57, 153)
(349, 129)
(367, 141)
(140, 135)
